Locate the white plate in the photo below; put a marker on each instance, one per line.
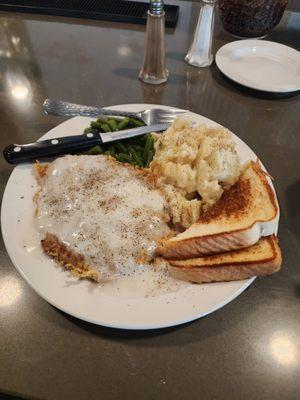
(261, 65)
(86, 300)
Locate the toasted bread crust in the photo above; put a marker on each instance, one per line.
(205, 245)
(67, 258)
(263, 176)
(216, 271)
(233, 204)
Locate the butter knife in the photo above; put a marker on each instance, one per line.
(20, 153)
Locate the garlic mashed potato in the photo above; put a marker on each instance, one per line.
(193, 164)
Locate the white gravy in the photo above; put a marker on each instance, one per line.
(103, 210)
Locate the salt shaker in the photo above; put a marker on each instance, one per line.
(154, 69)
(200, 52)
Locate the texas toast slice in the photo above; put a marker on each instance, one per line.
(244, 213)
(263, 258)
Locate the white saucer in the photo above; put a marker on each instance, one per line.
(261, 65)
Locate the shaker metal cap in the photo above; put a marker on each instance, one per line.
(156, 7)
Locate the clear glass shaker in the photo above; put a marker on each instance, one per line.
(200, 51)
(154, 70)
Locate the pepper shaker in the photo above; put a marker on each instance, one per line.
(200, 52)
(154, 70)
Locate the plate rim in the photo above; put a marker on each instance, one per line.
(244, 284)
(235, 45)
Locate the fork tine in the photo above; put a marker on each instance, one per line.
(168, 115)
(169, 111)
(166, 120)
(176, 111)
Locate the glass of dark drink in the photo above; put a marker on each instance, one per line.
(251, 18)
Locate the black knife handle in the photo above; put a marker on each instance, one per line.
(18, 153)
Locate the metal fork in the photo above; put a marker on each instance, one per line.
(149, 117)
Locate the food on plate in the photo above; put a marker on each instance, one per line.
(196, 212)
(234, 239)
(111, 124)
(194, 164)
(137, 150)
(263, 258)
(97, 217)
(244, 213)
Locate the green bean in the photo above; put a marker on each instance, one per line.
(139, 147)
(112, 150)
(136, 122)
(138, 150)
(95, 150)
(124, 158)
(102, 120)
(136, 158)
(148, 146)
(123, 124)
(105, 128)
(95, 125)
(142, 139)
(120, 147)
(149, 158)
(113, 125)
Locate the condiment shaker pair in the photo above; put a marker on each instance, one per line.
(154, 69)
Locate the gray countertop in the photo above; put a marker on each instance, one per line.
(250, 349)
